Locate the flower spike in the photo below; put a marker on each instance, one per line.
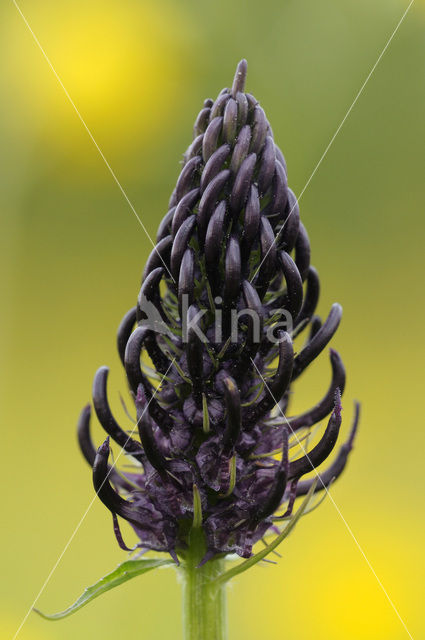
(208, 353)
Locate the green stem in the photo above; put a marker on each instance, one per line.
(204, 601)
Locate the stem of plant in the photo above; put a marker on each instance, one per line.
(204, 601)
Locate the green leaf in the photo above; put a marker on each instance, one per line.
(243, 566)
(125, 571)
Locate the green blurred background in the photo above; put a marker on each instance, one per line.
(71, 255)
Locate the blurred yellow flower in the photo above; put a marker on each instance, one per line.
(120, 62)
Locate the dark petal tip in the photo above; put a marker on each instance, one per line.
(240, 78)
(104, 447)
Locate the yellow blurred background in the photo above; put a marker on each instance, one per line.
(71, 255)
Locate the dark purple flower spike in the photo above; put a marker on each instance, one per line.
(231, 265)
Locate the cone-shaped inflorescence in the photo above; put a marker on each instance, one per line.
(224, 293)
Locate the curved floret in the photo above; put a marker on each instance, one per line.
(208, 351)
